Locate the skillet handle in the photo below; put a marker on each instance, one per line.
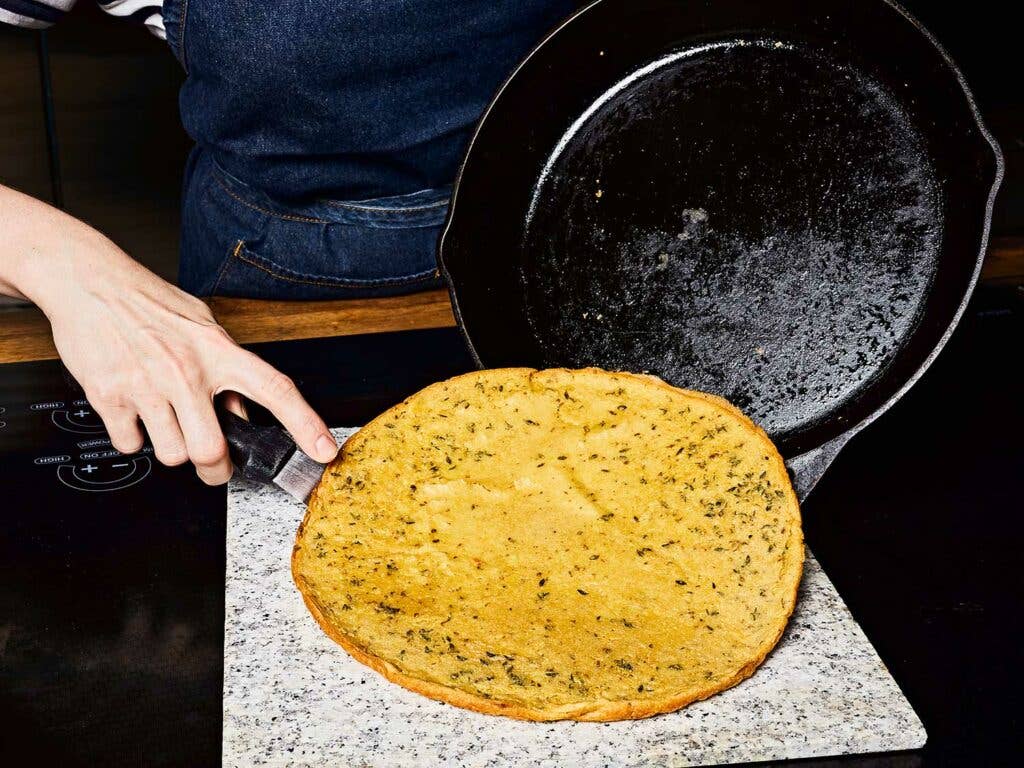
(258, 452)
(808, 468)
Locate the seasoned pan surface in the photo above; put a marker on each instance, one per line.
(750, 217)
(785, 204)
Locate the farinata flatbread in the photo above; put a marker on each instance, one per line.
(555, 544)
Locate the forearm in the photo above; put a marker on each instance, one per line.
(44, 251)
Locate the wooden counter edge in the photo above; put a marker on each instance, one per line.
(25, 334)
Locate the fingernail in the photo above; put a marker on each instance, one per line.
(326, 448)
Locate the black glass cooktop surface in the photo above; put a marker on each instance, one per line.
(112, 598)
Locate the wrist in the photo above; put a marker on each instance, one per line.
(54, 260)
(74, 260)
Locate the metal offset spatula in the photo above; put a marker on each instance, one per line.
(261, 454)
(268, 454)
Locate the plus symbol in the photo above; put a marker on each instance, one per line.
(89, 468)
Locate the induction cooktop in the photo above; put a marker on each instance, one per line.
(112, 565)
(110, 606)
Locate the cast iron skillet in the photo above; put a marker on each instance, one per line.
(784, 203)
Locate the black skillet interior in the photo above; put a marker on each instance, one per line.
(784, 203)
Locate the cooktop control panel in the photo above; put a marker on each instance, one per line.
(65, 438)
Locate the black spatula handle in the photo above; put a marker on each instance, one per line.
(258, 452)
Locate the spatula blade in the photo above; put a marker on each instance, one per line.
(299, 476)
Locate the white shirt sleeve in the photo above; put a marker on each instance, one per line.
(33, 14)
(40, 14)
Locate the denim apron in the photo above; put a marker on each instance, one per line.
(328, 133)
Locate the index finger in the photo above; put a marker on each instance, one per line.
(276, 392)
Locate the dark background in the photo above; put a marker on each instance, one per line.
(122, 147)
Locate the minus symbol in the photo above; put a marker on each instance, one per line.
(118, 466)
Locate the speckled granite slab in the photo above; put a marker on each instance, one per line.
(293, 697)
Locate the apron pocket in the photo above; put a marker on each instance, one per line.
(248, 273)
(236, 242)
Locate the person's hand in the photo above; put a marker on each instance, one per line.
(145, 351)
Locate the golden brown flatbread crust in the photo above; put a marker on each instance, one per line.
(669, 572)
